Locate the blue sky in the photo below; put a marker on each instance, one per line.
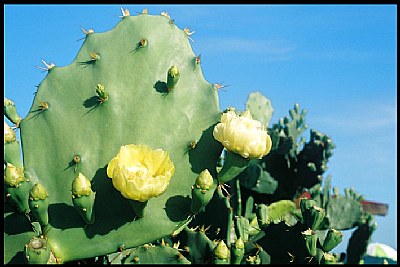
(337, 61)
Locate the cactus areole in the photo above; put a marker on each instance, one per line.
(122, 97)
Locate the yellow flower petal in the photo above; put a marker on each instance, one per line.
(242, 135)
(139, 172)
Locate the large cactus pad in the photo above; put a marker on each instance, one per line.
(68, 118)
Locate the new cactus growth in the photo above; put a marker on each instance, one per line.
(202, 191)
(127, 158)
(39, 204)
(83, 198)
(221, 253)
(172, 77)
(10, 112)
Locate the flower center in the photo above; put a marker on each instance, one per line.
(137, 170)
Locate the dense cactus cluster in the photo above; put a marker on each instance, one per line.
(128, 159)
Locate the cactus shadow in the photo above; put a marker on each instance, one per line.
(86, 63)
(16, 223)
(92, 103)
(206, 153)
(18, 258)
(161, 87)
(111, 209)
(175, 205)
(58, 213)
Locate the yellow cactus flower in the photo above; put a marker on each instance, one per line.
(243, 135)
(140, 173)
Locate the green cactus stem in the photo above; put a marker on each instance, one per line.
(39, 204)
(311, 239)
(262, 213)
(37, 251)
(242, 226)
(172, 77)
(17, 187)
(237, 251)
(332, 239)
(313, 215)
(9, 134)
(234, 164)
(202, 191)
(12, 152)
(138, 207)
(10, 112)
(83, 198)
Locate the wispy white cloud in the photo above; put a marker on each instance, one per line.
(272, 48)
(358, 118)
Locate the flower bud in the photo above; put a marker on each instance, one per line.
(39, 204)
(204, 181)
(9, 134)
(172, 77)
(202, 191)
(221, 251)
(239, 244)
(81, 186)
(238, 251)
(83, 198)
(13, 176)
(38, 192)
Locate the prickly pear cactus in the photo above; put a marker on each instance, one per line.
(139, 83)
(122, 163)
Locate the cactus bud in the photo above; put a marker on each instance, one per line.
(11, 112)
(9, 134)
(221, 251)
(37, 251)
(204, 180)
(332, 239)
(17, 187)
(83, 198)
(39, 204)
(311, 239)
(238, 251)
(202, 191)
(38, 192)
(172, 77)
(81, 186)
(13, 176)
